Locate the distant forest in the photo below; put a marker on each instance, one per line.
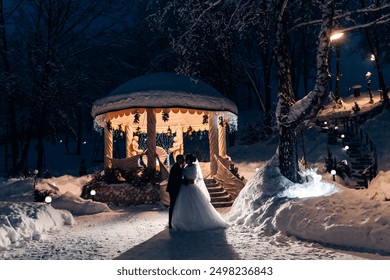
(58, 56)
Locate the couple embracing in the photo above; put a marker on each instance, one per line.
(190, 208)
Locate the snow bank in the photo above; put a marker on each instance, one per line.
(77, 205)
(378, 130)
(24, 221)
(330, 215)
(16, 189)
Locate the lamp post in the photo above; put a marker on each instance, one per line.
(334, 38)
(368, 75)
(35, 178)
(333, 172)
(92, 193)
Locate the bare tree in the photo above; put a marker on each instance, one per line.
(51, 40)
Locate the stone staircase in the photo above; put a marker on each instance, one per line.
(362, 161)
(219, 196)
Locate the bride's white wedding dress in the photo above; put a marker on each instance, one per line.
(193, 210)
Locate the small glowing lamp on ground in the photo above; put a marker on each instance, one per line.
(372, 58)
(346, 148)
(333, 172)
(92, 193)
(342, 136)
(48, 199)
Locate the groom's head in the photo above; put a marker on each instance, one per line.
(180, 159)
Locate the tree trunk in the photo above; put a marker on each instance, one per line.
(40, 153)
(288, 154)
(287, 139)
(79, 131)
(289, 125)
(13, 136)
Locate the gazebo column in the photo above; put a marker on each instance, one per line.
(129, 137)
(151, 143)
(108, 147)
(180, 138)
(222, 140)
(213, 143)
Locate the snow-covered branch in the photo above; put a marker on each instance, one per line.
(382, 20)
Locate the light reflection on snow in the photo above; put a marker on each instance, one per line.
(314, 187)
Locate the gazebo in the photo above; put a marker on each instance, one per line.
(165, 103)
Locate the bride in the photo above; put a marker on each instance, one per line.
(193, 210)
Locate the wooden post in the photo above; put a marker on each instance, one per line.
(222, 139)
(213, 141)
(151, 142)
(108, 147)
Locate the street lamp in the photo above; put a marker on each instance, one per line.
(333, 172)
(334, 38)
(368, 76)
(92, 193)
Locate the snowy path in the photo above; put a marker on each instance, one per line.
(140, 233)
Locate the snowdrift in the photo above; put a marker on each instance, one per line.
(332, 215)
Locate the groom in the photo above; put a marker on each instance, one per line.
(174, 182)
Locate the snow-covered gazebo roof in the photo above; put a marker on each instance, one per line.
(165, 92)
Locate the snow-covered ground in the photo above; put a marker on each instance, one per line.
(271, 219)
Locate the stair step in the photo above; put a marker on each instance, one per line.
(218, 194)
(222, 204)
(215, 189)
(225, 198)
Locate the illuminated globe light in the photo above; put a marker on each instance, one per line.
(333, 172)
(336, 36)
(257, 169)
(325, 122)
(342, 136)
(336, 127)
(92, 192)
(85, 142)
(372, 58)
(36, 172)
(60, 140)
(48, 199)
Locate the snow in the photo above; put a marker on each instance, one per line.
(272, 218)
(164, 90)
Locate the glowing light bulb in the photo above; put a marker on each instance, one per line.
(337, 35)
(48, 199)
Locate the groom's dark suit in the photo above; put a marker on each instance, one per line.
(174, 182)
